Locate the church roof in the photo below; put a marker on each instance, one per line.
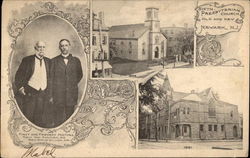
(132, 31)
(205, 96)
(192, 97)
(178, 95)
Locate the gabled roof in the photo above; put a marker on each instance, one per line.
(178, 95)
(132, 31)
(192, 97)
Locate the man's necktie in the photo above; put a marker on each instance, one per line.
(40, 59)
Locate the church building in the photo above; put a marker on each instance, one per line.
(138, 42)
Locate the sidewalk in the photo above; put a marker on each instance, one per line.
(171, 66)
(187, 141)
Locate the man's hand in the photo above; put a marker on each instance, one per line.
(51, 100)
(21, 90)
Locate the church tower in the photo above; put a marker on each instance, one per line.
(152, 21)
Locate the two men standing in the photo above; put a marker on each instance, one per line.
(49, 88)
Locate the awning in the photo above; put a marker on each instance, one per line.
(98, 65)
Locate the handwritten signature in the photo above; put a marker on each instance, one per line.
(39, 152)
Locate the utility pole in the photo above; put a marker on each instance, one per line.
(169, 112)
(101, 59)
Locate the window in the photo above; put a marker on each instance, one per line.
(156, 14)
(121, 51)
(130, 44)
(188, 110)
(156, 39)
(149, 14)
(105, 55)
(209, 127)
(215, 127)
(211, 112)
(222, 128)
(185, 129)
(201, 127)
(143, 48)
(184, 110)
(231, 114)
(94, 40)
(104, 40)
(130, 52)
(122, 43)
(107, 72)
(211, 108)
(143, 51)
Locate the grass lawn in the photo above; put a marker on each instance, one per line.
(127, 67)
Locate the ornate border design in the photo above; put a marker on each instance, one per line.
(214, 57)
(108, 105)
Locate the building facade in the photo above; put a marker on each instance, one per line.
(180, 41)
(139, 42)
(100, 47)
(192, 116)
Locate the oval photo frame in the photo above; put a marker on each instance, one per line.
(51, 29)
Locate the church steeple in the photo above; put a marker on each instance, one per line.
(152, 19)
(153, 23)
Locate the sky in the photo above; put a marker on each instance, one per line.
(228, 82)
(121, 12)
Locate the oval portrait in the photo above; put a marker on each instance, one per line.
(48, 71)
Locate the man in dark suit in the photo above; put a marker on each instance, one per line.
(31, 81)
(66, 73)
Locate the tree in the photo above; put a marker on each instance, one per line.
(155, 97)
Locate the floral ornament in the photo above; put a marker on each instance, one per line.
(109, 105)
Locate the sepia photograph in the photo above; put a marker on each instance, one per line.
(199, 111)
(137, 38)
(124, 78)
(47, 69)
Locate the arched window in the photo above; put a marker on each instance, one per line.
(156, 52)
(156, 39)
(188, 110)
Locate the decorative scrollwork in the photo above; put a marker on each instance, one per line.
(109, 105)
(209, 53)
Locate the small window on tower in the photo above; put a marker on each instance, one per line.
(156, 15)
(156, 39)
(149, 14)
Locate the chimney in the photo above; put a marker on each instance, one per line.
(101, 17)
(193, 91)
